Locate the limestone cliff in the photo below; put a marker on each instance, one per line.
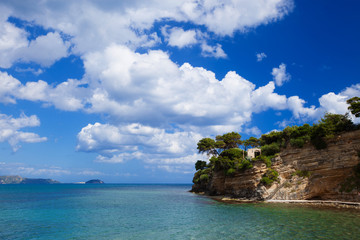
(329, 171)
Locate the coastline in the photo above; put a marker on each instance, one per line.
(317, 203)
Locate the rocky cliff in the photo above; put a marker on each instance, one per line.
(304, 174)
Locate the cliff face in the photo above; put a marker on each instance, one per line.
(329, 171)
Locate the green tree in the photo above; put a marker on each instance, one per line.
(251, 142)
(335, 123)
(229, 140)
(200, 165)
(208, 146)
(354, 106)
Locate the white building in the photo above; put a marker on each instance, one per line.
(253, 152)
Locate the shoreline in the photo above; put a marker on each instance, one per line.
(317, 203)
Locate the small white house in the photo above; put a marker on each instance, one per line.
(253, 152)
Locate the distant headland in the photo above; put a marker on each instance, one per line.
(20, 180)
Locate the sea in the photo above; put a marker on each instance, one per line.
(146, 211)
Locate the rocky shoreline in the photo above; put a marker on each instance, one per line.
(306, 176)
(314, 203)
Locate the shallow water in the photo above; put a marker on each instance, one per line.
(117, 211)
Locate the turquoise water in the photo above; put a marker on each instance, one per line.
(114, 211)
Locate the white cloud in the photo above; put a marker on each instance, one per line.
(212, 51)
(90, 173)
(177, 37)
(44, 50)
(11, 40)
(151, 103)
(334, 103)
(296, 105)
(109, 139)
(9, 130)
(330, 102)
(280, 75)
(264, 98)
(31, 70)
(152, 89)
(8, 85)
(224, 18)
(260, 56)
(69, 95)
(129, 22)
(30, 171)
(254, 131)
(15, 47)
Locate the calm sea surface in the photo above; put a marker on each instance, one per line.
(117, 211)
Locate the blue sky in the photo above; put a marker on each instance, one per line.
(123, 90)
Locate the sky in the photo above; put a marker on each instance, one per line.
(123, 90)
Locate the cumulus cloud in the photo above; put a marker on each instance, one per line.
(157, 110)
(129, 22)
(69, 95)
(280, 75)
(212, 51)
(8, 85)
(45, 50)
(109, 138)
(177, 37)
(260, 56)
(154, 90)
(10, 130)
(15, 47)
(296, 105)
(328, 103)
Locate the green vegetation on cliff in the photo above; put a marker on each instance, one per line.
(225, 154)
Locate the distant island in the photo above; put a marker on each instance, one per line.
(20, 180)
(94, 181)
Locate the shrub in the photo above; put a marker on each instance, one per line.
(335, 123)
(230, 172)
(200, 165)
(269, 177)
(204, 177)
(266, 181)
(244, 164)
(302, 173)
(196, 178)
(297, 142)
(271, 149)
(317, 137)
(232, 153)
(265, 159)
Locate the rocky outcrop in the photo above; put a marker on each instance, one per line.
(328, 170)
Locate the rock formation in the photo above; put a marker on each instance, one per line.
(304, 174)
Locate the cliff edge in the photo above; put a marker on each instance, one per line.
(302, 174)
